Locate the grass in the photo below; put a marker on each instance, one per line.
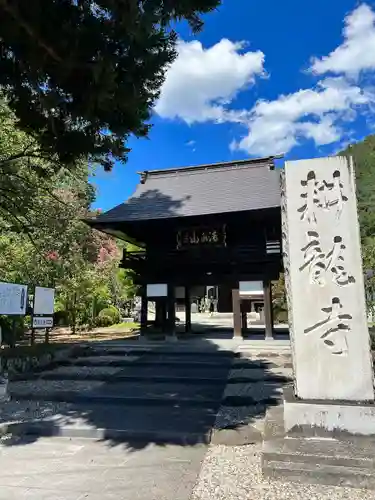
(125, 326)
(121, 330)
(62, 337)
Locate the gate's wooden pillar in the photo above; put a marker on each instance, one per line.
(160, 312)
(237, 322)
(164, 324)
(144, 305)
(171, 309)
(187, 309)
(268, 309)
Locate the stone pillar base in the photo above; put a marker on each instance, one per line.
(327, 418)
(320, 442)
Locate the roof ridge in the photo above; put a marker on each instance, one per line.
(248, 163)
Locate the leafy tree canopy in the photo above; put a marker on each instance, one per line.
(363, 154)
(82, 75)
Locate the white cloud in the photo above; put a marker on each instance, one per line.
(277, 126)
(190, 143)
(321, 113)
(357, 52)
(201, 82)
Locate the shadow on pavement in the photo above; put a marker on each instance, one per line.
(176, 393)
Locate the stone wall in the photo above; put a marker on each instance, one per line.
(23, 363)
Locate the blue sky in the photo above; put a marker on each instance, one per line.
(262, 78)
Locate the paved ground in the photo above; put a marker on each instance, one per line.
(171, 388)
(149, 442)
(64, 469)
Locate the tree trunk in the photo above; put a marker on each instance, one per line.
(74, 315)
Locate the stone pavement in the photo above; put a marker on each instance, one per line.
(158, 448)
(64, 469)
(150, 411)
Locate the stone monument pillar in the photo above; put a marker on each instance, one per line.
(329, 334)
(333, 389)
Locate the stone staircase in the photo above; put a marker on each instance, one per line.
(171, 393)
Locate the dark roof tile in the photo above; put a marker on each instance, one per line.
(202, 190)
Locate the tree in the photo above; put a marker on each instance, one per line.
(82, 75)
(363, 154)
(43, 239)
(25, 173)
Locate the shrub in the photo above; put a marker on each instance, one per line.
(108, 316)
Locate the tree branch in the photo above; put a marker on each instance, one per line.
(25, 229)
(29, 30)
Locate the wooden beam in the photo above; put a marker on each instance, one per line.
(268, 309)
(237, 323)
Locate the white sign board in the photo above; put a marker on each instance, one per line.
(324, 281)
(13, 299)
(251, 288)
(42, 322)
(44, 300)
(158, 290)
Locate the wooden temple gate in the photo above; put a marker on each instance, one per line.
(205, 225)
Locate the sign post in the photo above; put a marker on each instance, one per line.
(44, 302)
(13, 300)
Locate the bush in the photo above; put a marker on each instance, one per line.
(108, 316)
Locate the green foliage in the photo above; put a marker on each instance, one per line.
(280, 307)
(84, 75)
(363, 154)
(44, 241)
(108, 316)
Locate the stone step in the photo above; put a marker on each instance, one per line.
(162, 375)
(263, 363)
(321, 461)
(141, 378)
(355, 477)
(354, 453)
(261, 391)
(130, 424)
(195, 379)
(175, 361)
(125, 393)
(197, 354)
(244, 375)
(162, 369)
(144, 361)
(74, 397)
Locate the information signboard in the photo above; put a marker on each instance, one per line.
(42, 322)
(13, 299)
(44, 300)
